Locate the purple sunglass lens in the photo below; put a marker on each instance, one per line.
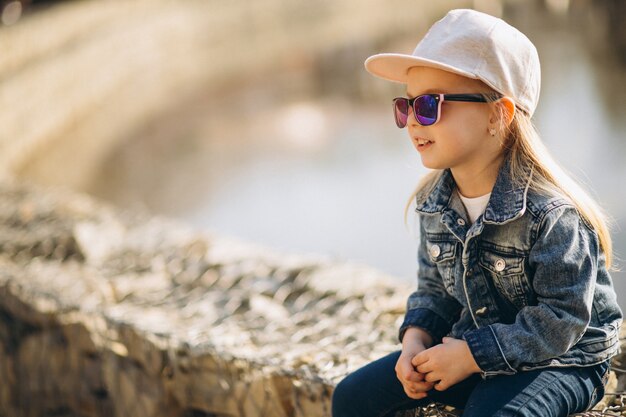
(426, 108)
(401, 111)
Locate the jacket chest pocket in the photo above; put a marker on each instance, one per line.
(443, 254)
(507, 274)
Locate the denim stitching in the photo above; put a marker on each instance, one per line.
(537, 391)
(500, 348)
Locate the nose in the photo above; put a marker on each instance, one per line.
(410, 119)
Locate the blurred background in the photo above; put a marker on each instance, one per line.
(258, 120)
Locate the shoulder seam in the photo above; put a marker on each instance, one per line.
(547, 209)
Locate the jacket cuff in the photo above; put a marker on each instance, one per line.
(427, 320)
(487, 352)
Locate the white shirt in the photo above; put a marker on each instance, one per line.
(475, 206)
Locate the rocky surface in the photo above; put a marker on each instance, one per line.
(110, 313)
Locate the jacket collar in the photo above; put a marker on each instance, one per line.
(507, 201)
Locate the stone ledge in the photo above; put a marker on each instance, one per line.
(115, 313)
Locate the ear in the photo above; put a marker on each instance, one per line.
(504, 111)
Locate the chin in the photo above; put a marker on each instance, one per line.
(433, 164)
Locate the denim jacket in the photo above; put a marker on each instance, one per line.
(526, 285)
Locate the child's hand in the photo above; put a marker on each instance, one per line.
(446, 364)
(415, 341)
(413, 382)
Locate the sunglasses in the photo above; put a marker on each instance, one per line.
(427, 107)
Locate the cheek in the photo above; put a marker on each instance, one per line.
(468, 129)
(461, 138)
(470, 116)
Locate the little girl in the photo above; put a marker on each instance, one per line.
(515, 312)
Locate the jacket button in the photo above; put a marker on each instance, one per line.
(481, 311)
(435, 250)
(500, 265)
(461, 222)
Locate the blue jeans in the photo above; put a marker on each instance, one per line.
(375, 391)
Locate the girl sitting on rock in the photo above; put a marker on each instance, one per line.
(515, 313)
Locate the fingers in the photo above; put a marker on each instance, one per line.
(421, 386)
(417, 391)
(424, 369)
(431, 380)
(432, 377)
(413, 383)
(420, 358)
(413, 379)
(441, 386)
(418, 386)
(406, 372)
(413, 376)
(415, 395)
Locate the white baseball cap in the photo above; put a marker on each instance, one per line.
(475, 45)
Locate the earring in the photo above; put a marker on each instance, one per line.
(492, 132)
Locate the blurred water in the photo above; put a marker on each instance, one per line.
(305, 173)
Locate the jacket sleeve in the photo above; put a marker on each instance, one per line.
(563, 267)
(430, 308)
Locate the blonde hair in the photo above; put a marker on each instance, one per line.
(525, 148)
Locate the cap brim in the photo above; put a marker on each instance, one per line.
(395, 67)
